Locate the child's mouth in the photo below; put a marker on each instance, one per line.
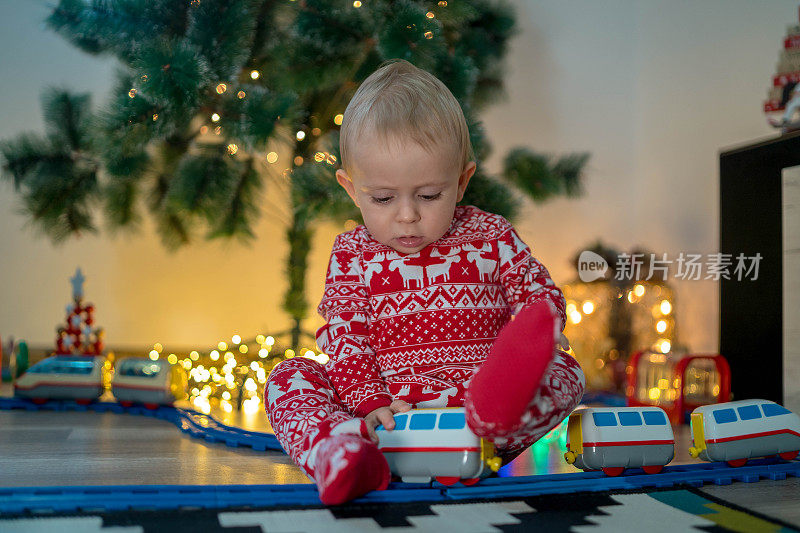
(410, 242)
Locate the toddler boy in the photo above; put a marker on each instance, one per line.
(416, 298)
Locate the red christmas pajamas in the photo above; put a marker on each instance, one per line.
(416, 327)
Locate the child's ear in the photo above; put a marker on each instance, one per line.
(347, 183)
(463, 179)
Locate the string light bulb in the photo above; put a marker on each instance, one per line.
(254, 74)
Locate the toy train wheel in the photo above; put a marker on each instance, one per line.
(448, 480)
(736, 463)
(788, 456)
(470, 482)
(653, 469)
(613, 471)
(151, 406)
(126, 403)
(39, 401)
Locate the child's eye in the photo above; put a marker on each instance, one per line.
(430, 196)
(384, 200)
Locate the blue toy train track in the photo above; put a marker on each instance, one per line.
(144, 497)
(152, 497)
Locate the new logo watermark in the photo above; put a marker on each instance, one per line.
(591, 266)
(688, 266)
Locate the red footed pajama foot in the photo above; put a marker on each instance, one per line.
(504, 385)
(348, 466)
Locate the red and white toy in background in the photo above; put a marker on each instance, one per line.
(78, 336)
(678, 383)
(783, 99)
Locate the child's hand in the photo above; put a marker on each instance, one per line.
(384, 416)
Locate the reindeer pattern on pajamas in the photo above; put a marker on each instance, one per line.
(415, 327)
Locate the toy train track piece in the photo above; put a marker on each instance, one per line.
(613, 439)
(735, 432)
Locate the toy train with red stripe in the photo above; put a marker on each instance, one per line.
(613, 439)
(737, 431)
(435, 443)
(81, 378)
(62, 377)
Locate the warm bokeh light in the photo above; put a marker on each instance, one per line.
(666, 307)
(588, 307)
(254, 74)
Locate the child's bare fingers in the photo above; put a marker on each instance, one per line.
(400, 406)
(372, 435)
(387, 419)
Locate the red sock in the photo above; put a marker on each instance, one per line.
(348, 466)
(504, 385)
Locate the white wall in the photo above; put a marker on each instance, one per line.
(652, 89)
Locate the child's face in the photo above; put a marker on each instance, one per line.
(406, 195)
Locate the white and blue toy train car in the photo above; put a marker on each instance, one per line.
(152, 383)
(63, 377)
(612, 439)
(436, 443)
(737, 431)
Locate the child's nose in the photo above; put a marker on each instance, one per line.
(408, 211)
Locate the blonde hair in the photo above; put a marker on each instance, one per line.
(402, 100)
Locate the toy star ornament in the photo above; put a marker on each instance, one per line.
(77, 284)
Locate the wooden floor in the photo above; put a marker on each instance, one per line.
(71, 448)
